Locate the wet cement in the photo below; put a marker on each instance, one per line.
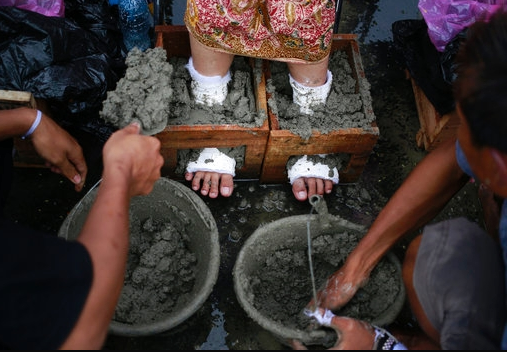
(281, 288)
(173, 257)
(348, 104)
(221, 323)
(273, 279)
(155, 92)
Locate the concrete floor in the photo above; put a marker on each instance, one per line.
(42, 199)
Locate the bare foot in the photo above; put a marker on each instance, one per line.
(305, 187)
(491, 210)
(210, 182)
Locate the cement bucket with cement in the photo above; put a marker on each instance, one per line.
(174, 258)
(272, 277)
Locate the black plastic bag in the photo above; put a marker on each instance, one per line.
(69, 62)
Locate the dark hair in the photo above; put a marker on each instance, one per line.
(480, 87)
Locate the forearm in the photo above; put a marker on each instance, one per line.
(106, 236)
(424, 193)
(16, 122)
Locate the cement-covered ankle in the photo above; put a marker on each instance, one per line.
(306, 97)
(205, 89)
(307, 168)
(213, 160)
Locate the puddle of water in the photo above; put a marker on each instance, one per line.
(387, 11)
(216, 339)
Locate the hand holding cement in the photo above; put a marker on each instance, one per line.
(62, 153)
(134, 159)
(339, 289)
(352, 334)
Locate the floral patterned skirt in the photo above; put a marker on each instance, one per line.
(282, 30)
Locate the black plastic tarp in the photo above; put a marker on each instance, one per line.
(70, 62)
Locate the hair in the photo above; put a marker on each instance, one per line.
(480, 87)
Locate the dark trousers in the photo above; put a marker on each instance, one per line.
(6, 171)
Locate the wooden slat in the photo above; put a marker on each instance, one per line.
(434, 128)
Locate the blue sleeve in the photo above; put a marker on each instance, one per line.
(462, 161)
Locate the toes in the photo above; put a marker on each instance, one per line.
(226, 185)
(299, 189)
(214, 182)
(320, 186)
(328, 186)
(312, 185)
(196, 181)
(206, 183)
(210, 182)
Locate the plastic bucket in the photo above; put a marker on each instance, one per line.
(172, 232)
(272, 277)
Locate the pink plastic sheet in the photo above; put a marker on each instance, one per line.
(50, 8)
(446, 18)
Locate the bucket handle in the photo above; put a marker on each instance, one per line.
(76, 208)
(319, 204)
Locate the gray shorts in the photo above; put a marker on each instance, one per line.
(459, 280)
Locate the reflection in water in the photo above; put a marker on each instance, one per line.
(171, 12)
(217, 335)
(387, 12)
(379, 25)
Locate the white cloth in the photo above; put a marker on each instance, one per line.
(306, 97)
(213, 160)
(208, 90)
(323, 319)
(306, 168)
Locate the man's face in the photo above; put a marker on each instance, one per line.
(481, 160)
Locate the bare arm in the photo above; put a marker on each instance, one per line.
(57, 147)
(132, 164)
(424, 193)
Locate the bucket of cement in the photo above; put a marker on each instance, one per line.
(174, 258)
(272, 277)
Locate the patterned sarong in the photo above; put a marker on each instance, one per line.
(282, 30)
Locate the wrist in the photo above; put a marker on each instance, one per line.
(34, 125)
(385, 341)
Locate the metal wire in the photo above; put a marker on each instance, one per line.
(310, 262)
(77, 206)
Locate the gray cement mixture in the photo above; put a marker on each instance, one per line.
(273, 279)
(160, 271)
(155, 92)
(173, 257)
(282, 287)
(346, 105)
(221, 323)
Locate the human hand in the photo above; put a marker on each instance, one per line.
(352, 334)
(62, 153)
(338, 290)
(133, 159)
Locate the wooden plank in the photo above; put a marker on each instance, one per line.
(11, 99)
(435, 128)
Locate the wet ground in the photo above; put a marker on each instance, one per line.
(43, 200)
